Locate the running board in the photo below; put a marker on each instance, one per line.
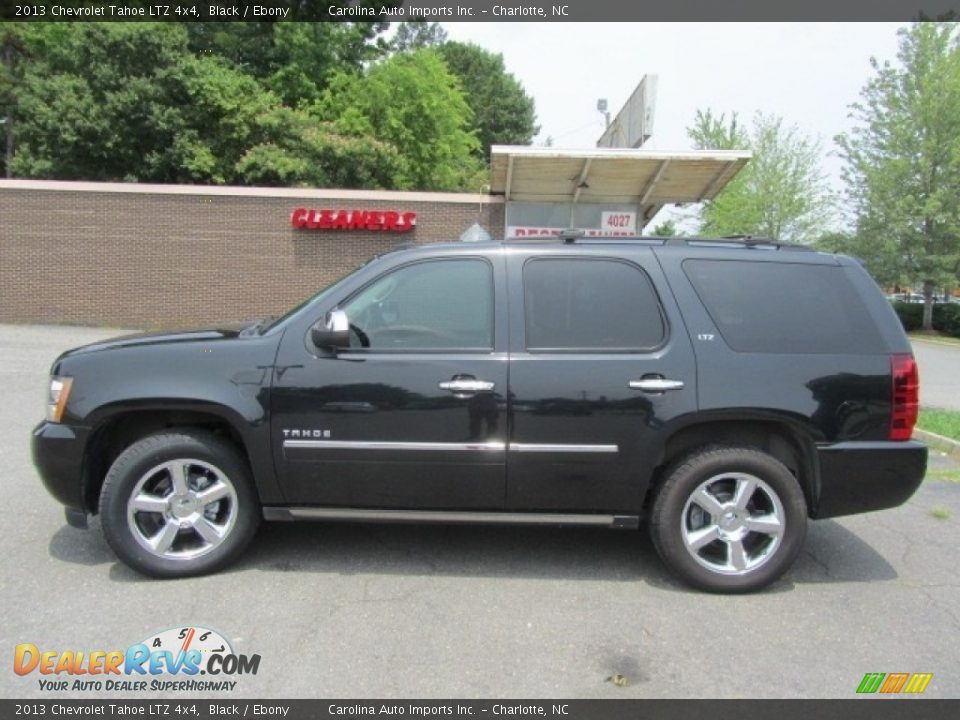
(620, 522)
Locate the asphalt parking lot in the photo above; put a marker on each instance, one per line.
(939, 376)
(433, 612)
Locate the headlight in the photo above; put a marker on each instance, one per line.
(57, 399)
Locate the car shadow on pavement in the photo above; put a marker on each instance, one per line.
(831, 553)
(81, 547)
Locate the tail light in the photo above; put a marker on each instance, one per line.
(906, 396)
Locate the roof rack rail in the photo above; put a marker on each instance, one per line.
(746, 241)
(572, 236)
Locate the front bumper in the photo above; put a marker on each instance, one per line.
(58, 456)
(859, 477)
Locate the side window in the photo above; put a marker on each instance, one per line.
(771, 307)
(590, 304)
(433, 305)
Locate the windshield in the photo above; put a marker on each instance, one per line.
(294, 312)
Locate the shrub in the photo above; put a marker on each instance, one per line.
(946, 318)
(910, 314)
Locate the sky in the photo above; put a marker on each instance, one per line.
(807, 73)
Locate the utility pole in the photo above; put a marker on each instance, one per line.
(602, 108)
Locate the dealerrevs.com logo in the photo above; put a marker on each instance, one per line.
(170, 661)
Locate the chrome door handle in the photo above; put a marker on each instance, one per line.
(467, 385)
(656, 385)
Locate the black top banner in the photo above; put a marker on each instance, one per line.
(478, 10)
(273, 709)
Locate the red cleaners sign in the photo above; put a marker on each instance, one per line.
(380, 220)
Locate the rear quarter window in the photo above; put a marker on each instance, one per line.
(789, 308)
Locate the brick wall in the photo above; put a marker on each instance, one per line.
(163, 257)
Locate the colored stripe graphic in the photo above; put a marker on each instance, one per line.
(893, 683)
(918, 682)
(871, 682)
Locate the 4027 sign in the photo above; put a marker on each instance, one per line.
(377, 220)
(616, 222)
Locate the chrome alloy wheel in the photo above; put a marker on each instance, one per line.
(182, 509)
(732, 523)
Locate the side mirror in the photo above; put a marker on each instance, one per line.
(332, 332)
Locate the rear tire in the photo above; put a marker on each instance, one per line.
(179, 503)
(729, 519)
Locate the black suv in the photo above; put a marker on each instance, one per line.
(725, 391)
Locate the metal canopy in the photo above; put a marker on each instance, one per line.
(611, 176)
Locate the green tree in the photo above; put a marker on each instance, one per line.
(151, 111)
(218, 112)
(667, 228)
(503, 113)
(412, 102)
(293, 59)
(91, 105)
(300, 151)
(14, 54)
(880, 255)
(780, 194)
(268, 103)
(416, 35)
(715, 132)
(903, 160)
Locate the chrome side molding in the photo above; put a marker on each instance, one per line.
(491, 446)
(377, 445)
(450, 517)
(559, 448)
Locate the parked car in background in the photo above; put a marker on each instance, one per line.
(906, 297)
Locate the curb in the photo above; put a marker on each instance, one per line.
(933, 341)
(945, 444)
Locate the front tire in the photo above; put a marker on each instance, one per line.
(729, 519)
(177, 504)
